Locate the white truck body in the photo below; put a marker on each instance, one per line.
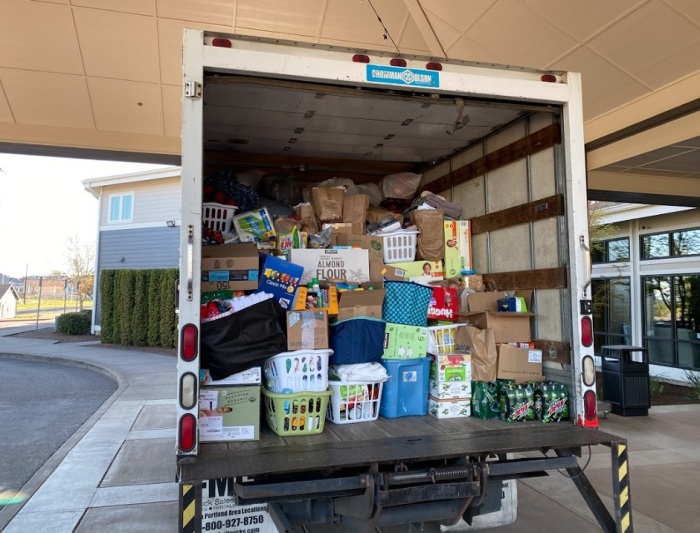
(507, 144)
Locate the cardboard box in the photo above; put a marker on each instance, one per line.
(452, 367)
(519, 364)
(344, 265)
(281, 279)
(305, 299)
(229, 413)
(230, 267)
(507, 327)
(453, 259)
(374, 244)
(450, 390)
(252, 376)
(361, 303)
(405, 342)
(378, 271)
(444, 304)
(465, 243)
(449, 408)
(307, 330)
(420, 271)
(254, 226)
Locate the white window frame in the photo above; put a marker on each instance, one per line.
(121, 196)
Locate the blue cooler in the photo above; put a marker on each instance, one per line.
(406, 392)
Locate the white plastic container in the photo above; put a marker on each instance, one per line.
(219, 217)
(354, 401)
(400, 246)
(441, 339)
(299, 371)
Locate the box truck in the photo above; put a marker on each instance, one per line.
(505, 143)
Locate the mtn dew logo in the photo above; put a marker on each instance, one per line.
(403, 76)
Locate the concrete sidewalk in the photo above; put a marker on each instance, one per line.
(117, 472)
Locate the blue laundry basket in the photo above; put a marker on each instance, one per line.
(406, 391)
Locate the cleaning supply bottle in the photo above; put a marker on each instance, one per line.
(315, 287)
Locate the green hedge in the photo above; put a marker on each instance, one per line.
(137, 307)
(77, 323)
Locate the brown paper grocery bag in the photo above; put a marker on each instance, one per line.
(483, 348)
(328, 203)
(307, 218)
(431, 240)
(355, 212)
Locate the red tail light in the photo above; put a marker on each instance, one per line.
(433, 66)
(187, 429)
(221, 43)
(549, 78)
(360, 58)
(590, 406)
(188, 342)
(586, 331)
(398, 62)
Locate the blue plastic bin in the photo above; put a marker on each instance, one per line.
(406, 391)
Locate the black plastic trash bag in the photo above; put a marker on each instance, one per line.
(244, 339)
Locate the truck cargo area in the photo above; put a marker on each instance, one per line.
(506, 144)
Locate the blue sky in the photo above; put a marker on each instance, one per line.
(42, 204)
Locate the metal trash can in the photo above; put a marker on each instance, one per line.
(626, 382)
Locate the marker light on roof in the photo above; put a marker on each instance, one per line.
(221, 43)
(360, 58)
(549, 78)
(433, 66)
(398, 62)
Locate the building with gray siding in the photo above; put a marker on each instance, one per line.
(138, 223)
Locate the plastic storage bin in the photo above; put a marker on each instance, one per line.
(354, 401)
(219, 217)
(441, 339)
(406, 391)
(399, 246)
(303, 413)
(302, 370)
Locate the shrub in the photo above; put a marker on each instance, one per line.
(154, 307)
(73, 323)
(107, 306)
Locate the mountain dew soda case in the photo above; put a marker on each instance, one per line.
(555, 402)
(485, 399)
(516, 403)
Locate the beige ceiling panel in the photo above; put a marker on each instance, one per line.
(582, 20)
(47, 99)
(445, 33)
(412, 41)
(523, 37)
(172, 110)
(690, 8)
(219, 12)
(654, 44)
(455, 13)
(126, 106)
(353, 21)
(604, 86)
(296, 17)
(170, 46)
(118, 45)
(38, 36)
(5, 113)
(52, 1)
(137, 7)
(468, 49)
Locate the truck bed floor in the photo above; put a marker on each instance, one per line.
(382, 441)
